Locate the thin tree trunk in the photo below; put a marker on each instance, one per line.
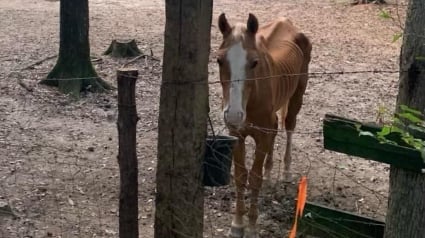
(74, 71)
(182, 120)
(406, 205)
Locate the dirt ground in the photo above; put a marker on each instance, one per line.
(58, 167)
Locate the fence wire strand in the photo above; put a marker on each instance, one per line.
(283, 76)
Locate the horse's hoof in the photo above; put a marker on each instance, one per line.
(236, 232)
(251, 233)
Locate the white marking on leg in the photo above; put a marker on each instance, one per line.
(267, 175)
(268, 165)
(238, 225)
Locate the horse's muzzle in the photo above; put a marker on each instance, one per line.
(234, 118)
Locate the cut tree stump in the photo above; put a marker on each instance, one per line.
(123, 49)
(358, 2)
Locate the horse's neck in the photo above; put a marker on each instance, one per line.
(267, 68)
(262, 74)
(273, 80)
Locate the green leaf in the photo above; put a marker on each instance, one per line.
(396, 37)
(410, 117)
(415, 143)
(417, 128)
(406, 118)
(396, 129)
(420, 58)
(358, 126)
(366, 133)
(405, 108)
(396, 121)
(418, 144)
(408, 140)
(384, 14)
(384, 131)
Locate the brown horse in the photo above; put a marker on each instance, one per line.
(263, 71)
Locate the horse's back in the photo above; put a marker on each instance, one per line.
(278, 35)
(278, 30)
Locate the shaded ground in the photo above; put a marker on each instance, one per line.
(58, 168)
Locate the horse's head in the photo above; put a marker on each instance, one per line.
(237, 59)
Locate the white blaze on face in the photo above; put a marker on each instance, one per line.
(234, 111)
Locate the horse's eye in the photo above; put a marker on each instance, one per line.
(254, 64)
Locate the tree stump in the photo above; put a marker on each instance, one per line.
(358, 2)
(123, 48)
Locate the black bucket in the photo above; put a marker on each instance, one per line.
(218, 160)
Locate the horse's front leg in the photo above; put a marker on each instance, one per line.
(240, 178)
(264, 143)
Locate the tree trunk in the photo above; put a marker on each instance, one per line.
(406, 205)
(182, 119)
(74, 71)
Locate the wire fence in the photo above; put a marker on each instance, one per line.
(65, 184)
(71, 181)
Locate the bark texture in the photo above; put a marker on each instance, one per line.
(74, 71)
(406, 205)
(183, 119)
(127, 156)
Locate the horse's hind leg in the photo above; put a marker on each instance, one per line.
(294, 107)
(268, 164)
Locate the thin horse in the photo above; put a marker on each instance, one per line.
(263, 72)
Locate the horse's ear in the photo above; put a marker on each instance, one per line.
(223, 25)
(252, 24)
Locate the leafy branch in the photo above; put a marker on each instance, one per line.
(402, 125)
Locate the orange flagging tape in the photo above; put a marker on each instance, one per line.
(301, 199)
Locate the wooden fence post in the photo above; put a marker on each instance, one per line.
(127, 158)
(182, 123)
